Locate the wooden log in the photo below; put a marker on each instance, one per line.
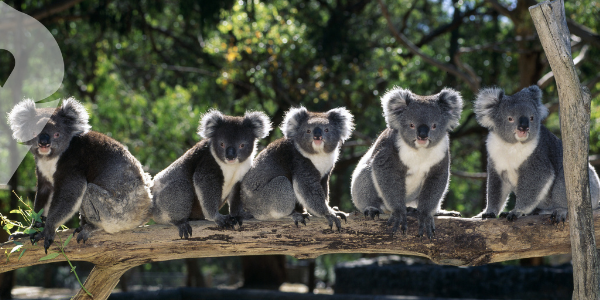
(550, 23)
(458, 241)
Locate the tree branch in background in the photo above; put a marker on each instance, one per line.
(584, 33)
(473, 83)
(547, 79)
(42, 13)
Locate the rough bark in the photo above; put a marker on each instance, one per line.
(458, 241)
(551, 25)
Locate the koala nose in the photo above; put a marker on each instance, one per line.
(44, 140)
(230, 153)
(317, 134)
(423, 132)
(523, 124)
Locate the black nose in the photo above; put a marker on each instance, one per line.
(523, 124)
(317, 134)
(230, 153)
(44, 140)
(423, 131)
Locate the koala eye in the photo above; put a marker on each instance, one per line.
(222, 145)
(326, 130)
(412, 125)
(242, 146)
(510, 119)
(308, 131)
(58, 134)
(531, 118)
(434, 126)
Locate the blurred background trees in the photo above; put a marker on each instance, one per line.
(147, 70)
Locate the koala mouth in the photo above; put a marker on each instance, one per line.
(318, 140)
(522, 134)
(231, 161)
(422, 141)
(44, 150)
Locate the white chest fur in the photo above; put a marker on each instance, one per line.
(509, 157)
(233, 173)
(419, 162)
(47, 168)
(321, 160)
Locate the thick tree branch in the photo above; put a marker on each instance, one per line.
(473, 83)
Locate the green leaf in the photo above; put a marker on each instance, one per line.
(29, 230)
(50, 256)
(22, 252)
(68, 240)
(17, 243)
(16, 248)
(8, 226)
(15, 211)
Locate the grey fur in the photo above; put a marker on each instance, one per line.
(295, 169)
(81, 170)
(398, 171)
(528, 163)
(206, 174)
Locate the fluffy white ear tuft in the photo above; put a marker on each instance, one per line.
(209, 123)
(73, 114)
(342, 119)
(259, 122)
(451, 104)
(292, 120)
(22, 120)
(485, 104)
(394, 102)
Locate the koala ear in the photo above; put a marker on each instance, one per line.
(209, 123)
(342, 119)
(22, 120)
(292, 120)
(73, 114)
(485, 104)
(259, 122)
(537, 97)
(451, 104)
(395, 102)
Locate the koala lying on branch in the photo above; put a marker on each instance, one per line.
(524, 157)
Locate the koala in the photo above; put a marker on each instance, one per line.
(294, 170)
(80, 170)
(524, 157)
(210, 172)
(409, 163)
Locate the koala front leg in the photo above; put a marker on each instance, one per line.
(338, 212)
(209, 191)
(66, 201)
(389, 181)
(497, 194)
(433, 189)
(234, 200)
(310, 194)
(531, 190)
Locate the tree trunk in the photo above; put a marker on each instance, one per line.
(551, 25)
(266, 272)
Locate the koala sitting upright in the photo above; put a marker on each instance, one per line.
(409, 164)
(80, 170)
(296, 168)
(210, 171)
(524, 157)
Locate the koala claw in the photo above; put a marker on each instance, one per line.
(300, 218)
(559, 215)
(489, 215)
(371, 212)
(426, 226)
(397, 221)
(238, 220)
(185, 230)
(503, 214)
(340, 214)
(225, 221)
(48, 239)
(512, 216)
(334, 219)
(411, 211)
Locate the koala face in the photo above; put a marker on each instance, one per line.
(421, 121)
(515, 118)
(233, 139)
(48, 131)
(317, 132)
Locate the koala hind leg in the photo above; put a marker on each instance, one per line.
(85, 231)
(274, 200)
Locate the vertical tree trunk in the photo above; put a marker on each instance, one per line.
(265, 272)
(550, 22)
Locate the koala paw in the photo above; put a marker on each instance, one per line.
(225, 221)
(84, 232)
(300, 218)
(185, 230)
(426, 226)
(486, 215)
(413, 212)
(333, 218)
(447, 213)
(371, 212)
(512, 215)
(340, 214)
(48, 237)
(397, 220)
(558, 215)
(503, 214)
